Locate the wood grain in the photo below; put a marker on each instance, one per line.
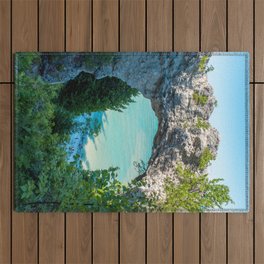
(25, 38)
(51, 38)
(159, 25)
(213, 238)
(159, 38)
(186, 38)
(78, 238)
(105, 38)
(51, 25)
(105, 22)
(186, 30)
(5, 164)
(213, 38)
(51, 238)
(259, 170)
(240, 28)
(78, 25)
(240, 226)
(132, 228)
(159, 238)
(132, 38)
(186, 238)
(78, 38)
(213, 23)
(5, 43)
(259, 40)
(132, 25)
(105, 238)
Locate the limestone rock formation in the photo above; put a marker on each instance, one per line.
(171, 81)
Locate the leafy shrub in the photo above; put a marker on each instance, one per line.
(202, 124)
(205, 158)
(203, 62)
(200, 99)
(194, 192)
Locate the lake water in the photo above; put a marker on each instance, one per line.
(126, 137)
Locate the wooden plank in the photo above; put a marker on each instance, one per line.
(240, 226)
(213, 38)
(5, 164)
(240, 28)
(159, 38)
(159, 25)
(132, 238)
(105, 25)
(259, 40)
(213, 23)
(51, 238)
(213, 238)
(5, 43)
(51, 25)
(78, 239)
(132, 25)
(186, 38)
(259, 172)
(24, 38)
(186, 30)
(159, 238)
(105, 238)
(78, 38)
(105, 38)
(51, 38)
(78, 25)
(132, 38)
(186, 238)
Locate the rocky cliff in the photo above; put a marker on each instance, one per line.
(182, 98)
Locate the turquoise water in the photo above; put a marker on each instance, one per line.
(126, 137)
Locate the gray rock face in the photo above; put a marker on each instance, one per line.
(169, 80)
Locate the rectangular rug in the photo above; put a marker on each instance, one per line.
(131, 132)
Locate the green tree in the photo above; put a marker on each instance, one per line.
(200, 99)
(194, 193)
(205, 158)
(85, 94)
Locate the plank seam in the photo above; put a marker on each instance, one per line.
(146, 238)
(146, 26)
(11, 127)
(254, 131)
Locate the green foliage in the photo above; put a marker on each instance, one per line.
(45, 180)
(85, 94)
(203, 62)
(202, 123)
(97, 60)
(194, 193)
(203, 67)
(199, 98)
(205, 158)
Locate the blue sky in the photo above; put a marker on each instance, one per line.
(229, 83)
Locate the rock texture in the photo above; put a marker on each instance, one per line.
(169, 80)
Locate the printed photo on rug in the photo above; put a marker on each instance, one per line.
(131, 132)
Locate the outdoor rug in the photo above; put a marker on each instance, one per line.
(131, 132)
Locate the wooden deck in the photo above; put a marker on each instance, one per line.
(132, 25)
